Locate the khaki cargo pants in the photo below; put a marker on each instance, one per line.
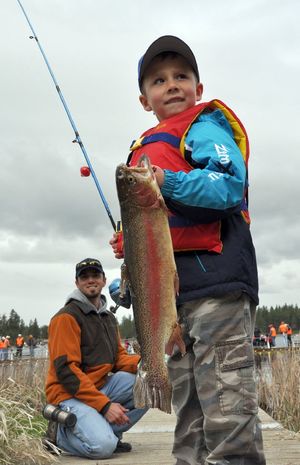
(214, 393)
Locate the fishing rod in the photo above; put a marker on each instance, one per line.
(85, 171)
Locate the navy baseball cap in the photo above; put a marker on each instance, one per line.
(88, 263)
(166, 44)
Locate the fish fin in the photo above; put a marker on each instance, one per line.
(144, 162)
(152, 393)
(176, 339)
(162, 203)
(136, 347)
(176, 283)
(124, 280)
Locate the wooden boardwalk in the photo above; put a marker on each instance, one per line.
(152, 439)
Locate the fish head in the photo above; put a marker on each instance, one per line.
(137, 184)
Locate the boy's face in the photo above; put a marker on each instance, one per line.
(169, 87)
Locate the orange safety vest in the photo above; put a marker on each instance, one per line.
(273, 331)
(289, 331)
(2, 345)
(283, 328)
(19, 341)
(166, 148)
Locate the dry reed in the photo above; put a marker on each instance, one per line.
(279, 387)
(21, 423)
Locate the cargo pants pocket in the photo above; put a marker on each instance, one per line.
(235, 376)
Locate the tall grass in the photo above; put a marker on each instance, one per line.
(21, 423)
(279, 387)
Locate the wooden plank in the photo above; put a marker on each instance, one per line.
(152, 439)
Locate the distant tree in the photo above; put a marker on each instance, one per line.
(3, 325)
(14, 324)
(33, 328)
(44, 332)
(287, 313)
(22, 327)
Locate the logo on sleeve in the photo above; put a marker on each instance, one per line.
(222, 152)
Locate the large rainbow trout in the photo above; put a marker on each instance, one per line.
(150, 271)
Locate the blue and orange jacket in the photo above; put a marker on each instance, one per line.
(204, 153)
(166, 146)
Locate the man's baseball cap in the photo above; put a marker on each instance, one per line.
(166, 44)
(88, 263)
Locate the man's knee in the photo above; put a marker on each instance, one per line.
(95, 450)
(123, 383)
(103, 450)
(125, 377)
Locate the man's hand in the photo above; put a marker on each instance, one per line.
(159, 174)
(116, 414)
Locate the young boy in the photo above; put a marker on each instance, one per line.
(200, 155)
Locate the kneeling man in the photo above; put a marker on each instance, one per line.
(90, 372)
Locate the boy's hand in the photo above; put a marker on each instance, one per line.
(116, 246)
(159, 174)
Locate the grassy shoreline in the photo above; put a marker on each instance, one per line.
(21, 422)
(22, 397)
(279, 387)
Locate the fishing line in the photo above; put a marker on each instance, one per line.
(77, 136)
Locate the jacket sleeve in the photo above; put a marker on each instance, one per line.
(215, 187)
(65, 357)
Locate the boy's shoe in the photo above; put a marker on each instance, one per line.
(123, 447)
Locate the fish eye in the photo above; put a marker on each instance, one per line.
(130, 179)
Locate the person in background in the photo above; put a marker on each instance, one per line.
(272, 334)
(199, 155)
(31, 342)
(283, 328)
(90, 372)
(19, 345)
(257, 337)
(6, 348)
(2, 348)
(289, 335)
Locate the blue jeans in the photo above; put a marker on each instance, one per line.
(93, 436)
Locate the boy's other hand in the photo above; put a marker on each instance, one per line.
(115, 244)
(159, 174)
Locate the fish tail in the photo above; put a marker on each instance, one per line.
(152, 393)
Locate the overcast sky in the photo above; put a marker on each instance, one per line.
(51, 217)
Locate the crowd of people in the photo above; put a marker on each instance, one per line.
(268, 339)
(8, 350)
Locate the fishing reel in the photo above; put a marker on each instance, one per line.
(115, 294)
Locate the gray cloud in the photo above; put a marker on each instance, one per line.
(50, 216)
